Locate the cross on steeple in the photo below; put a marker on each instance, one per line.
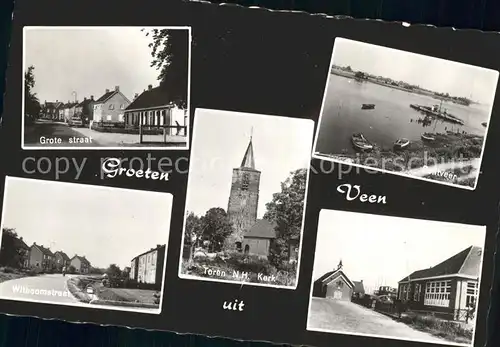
(339, 267)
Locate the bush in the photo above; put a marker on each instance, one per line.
(8, 270)
(444, 327)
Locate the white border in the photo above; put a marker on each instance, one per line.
(316, 155)
(136, 148)
(354, 333)
(78, 303)
(299, 255)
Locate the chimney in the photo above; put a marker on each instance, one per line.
(107, 90)
(57, 100)
(136, 96)
(84, 98)
(21, 238)
(117, 88)
(150, 86)
(158, 246)
(34, 243)
(92, 97)
(361, 281)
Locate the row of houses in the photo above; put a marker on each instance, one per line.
(42, 258)
(147, 267)
(151, 108)
(450, 288)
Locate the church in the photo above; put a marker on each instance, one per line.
(251, 235)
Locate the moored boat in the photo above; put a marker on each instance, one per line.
(360, 142)
(428, 137)
(401, 143)
(367, 106)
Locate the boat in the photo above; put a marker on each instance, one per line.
(484, 124)
(367, 106)
(360, 142)
(401, 143)
(428, 137)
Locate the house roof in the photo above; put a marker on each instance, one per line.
(82, 259)
(332, 275)
(44, 250)
(151, 250)
(85, 102)
(154, 97)
(106, 96)
(466, 262)
(262, 229)
(20, 243)
(63, 255)
(359, 287)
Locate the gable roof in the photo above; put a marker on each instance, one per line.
(332, 275)
(262, 229)
(85, 102)
(63, 255)
(359, 287)
(19, 243)
(81, 258)
(154, 97)
(44, 250)
(108, 95)
(466, 262)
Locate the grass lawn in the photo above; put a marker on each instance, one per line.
(128, 295)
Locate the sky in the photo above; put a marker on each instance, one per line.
(220, 139)
(382, 250)
(89, 61)
(106, 225)
(435, 74)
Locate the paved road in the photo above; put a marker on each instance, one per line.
(50, 288)
(347, 317)
(34, 133)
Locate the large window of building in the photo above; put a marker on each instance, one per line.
(417, 292)
(437, 293)
(472, 293)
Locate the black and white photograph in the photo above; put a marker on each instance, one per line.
(399, 278)
(404, 113)
(246, 196)
(85, 246)
(106, 87)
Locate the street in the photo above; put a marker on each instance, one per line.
(347, 317)
(37, 134)
(50, 288)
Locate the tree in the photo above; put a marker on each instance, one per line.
(170, 52)
(113, 271)
(31, 103)
(216, 227)
(12, 253)
(286, 210)
(193, 233)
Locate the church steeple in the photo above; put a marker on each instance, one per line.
(248, 159)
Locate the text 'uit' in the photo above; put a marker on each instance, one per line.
(233, 306)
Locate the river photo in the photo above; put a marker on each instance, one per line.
(400, 118)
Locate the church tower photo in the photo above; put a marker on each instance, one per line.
(243, 198)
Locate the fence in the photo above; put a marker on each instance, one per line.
(163, 130)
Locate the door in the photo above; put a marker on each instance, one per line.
(247, 249)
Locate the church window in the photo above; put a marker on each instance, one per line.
(245, 181)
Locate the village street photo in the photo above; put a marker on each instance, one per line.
(106, 87)
(399, 278)
(404, 113)
(85, 246)
(246, 196)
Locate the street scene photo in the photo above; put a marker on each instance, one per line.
(404, 113)
(400, 278)
(106, 87)
(246, 196)
(81, 245)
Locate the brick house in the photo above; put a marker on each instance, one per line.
(41, 257)
(147, 267)
(50, 109)
(110, 107)
(449, 288)
(153, 107)
(85, 109)
(334, 285)
(80, 263)
(251, 235)
(359, 289)
(69, 110)
(62, 260)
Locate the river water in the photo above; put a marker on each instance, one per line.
(391, 119)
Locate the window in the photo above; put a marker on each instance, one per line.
(122, 106)
(472, 293)
(245, 181)
(120, 117)
(111, 106)
(416, 293)
(108, 117)
(437, 293)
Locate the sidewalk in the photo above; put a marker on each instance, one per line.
(120, 140)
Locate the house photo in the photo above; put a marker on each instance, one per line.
(405, 289)
(88, 258)
(138, 99)
(243, 169)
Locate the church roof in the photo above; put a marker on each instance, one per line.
(248, 159)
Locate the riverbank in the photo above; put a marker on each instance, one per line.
(452, 158)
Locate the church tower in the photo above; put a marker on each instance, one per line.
(244, 197)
